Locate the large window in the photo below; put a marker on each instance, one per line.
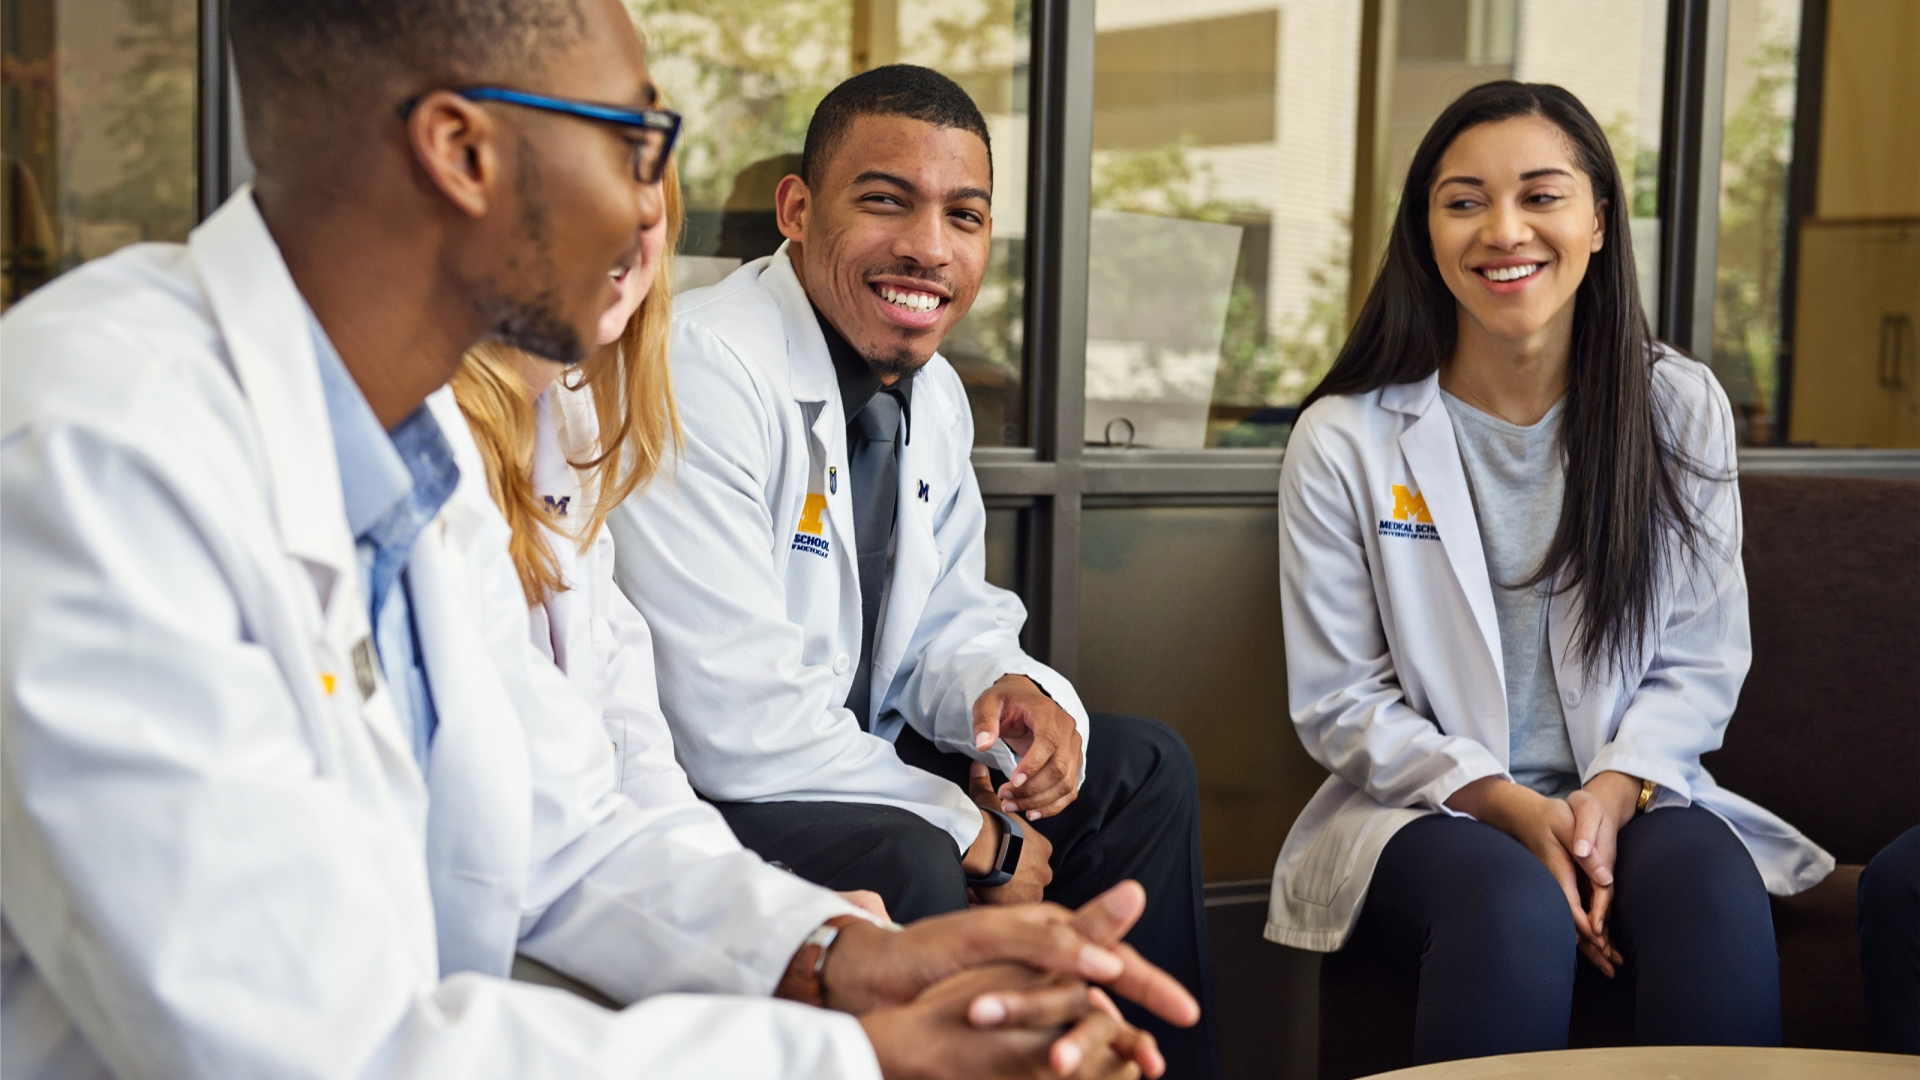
(748, 75)
(97, 107)
(1247, 159)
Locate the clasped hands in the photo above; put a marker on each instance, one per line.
(1574, 838)
(1006, 991)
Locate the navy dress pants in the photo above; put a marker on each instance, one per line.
(1137, 816)
(1497, 949)
(1890, 944)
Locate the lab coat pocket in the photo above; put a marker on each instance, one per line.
(1336, 848)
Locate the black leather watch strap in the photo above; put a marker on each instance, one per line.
(1012, 839)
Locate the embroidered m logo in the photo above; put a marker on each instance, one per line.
(810, 515)
(1410, 506)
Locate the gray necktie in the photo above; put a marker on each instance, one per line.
(874, 461)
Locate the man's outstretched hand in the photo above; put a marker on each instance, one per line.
(1047, 777)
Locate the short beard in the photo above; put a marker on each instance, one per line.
(533, 324)
(894, 365)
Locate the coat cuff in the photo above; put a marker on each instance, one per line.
(1473, 764)
(1666, 773)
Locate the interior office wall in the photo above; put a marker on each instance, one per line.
(1870, 119)
(1857, 371)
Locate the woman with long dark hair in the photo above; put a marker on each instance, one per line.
(1515, 618)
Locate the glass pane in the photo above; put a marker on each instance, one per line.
(1240, 190)
(1180, 620)
(1222, 187)
(1005, 526)
(98, 111)
(748, 76)
(1611, 54)
(1856, 356)
(1755, 148)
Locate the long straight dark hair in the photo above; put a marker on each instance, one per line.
(1624, 510)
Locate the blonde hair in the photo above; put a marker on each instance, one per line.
(632, 401)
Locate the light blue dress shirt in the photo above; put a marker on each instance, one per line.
(394, 484)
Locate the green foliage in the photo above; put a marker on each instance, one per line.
(1639, 166)
(1755, 151)
(1260, 365)
(149, 110)
(760, 68)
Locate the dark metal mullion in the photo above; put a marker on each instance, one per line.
(211, 134)
(1690, 171)
(1060, 191)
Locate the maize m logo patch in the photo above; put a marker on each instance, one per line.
(1411, 519)
(810, 536)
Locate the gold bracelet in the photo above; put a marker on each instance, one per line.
(1646, 796)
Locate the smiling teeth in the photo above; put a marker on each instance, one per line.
(912, 301)
(1511, 273)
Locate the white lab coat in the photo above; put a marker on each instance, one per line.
(591, 631)
(216, 858)
(1394, 670)
(742, 559)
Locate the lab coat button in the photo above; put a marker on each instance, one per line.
(840, 664)
(1571, 697)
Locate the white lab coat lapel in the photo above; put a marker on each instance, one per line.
(1433, 459)
(827, 599)
(270, 345)
(477, 841)
(478, 790)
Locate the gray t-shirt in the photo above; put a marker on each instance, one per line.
(1516, 479)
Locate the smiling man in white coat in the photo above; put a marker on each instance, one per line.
(838, 673)
(286, 787)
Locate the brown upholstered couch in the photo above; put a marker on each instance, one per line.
(1826, 734)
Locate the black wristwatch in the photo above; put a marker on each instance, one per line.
(1012, 839)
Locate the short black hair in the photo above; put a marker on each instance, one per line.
(302, 54)
(894, 90)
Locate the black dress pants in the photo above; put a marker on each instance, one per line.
(1495, 943)
(1137, 817)
(1890, 944)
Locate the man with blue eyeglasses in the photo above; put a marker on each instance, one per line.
(285, 788)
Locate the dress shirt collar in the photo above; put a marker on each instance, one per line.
(373, 477)
(382, 473)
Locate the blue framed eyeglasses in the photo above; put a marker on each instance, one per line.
(653, 131)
